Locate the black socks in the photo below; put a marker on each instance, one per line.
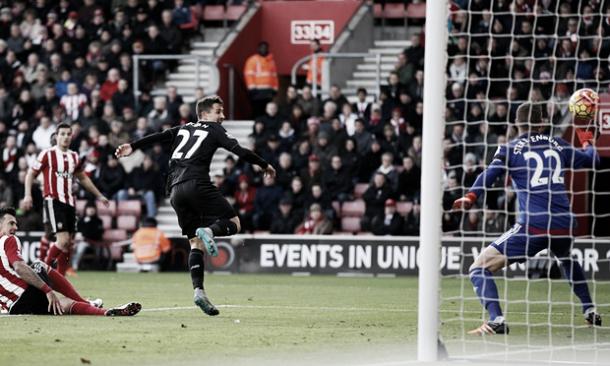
(224, 227)
(196, 268)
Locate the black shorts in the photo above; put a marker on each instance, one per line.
(33, 301)
(60, 216)
(198, 204)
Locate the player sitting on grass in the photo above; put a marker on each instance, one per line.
(31, 290)
(535, 161)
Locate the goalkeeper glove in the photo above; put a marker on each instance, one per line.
(465, 202)
(585, 137)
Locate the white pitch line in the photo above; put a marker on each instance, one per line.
(326, 308)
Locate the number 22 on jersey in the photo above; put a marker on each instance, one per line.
(193, 141)
(537, 178)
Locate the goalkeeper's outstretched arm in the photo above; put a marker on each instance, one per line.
(483, 181)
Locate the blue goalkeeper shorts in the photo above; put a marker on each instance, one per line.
(518, 243)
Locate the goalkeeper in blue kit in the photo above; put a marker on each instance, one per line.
(535, 162)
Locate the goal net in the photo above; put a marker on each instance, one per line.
(501, 54)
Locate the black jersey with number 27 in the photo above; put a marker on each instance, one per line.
(193, 147)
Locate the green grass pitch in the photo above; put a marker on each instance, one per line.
(280, 319)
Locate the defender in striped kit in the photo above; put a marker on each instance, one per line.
(39, 289)
(59, 165)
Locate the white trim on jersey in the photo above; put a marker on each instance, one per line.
(60, 180)
(512, 231)
(49, 177)
(71, 168)
(51, 213)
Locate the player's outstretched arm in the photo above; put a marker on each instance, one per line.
(27, 197)
(146, 141)
(587, 157)
(483, 181)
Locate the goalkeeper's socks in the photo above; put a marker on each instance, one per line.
(224, 227)
(196, 267)
(573, 271)
(485, 287)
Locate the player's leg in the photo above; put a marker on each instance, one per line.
(228, 223)
(481, 276)
(573, 272)
(63, 222)
(510, 247)
(186, 201)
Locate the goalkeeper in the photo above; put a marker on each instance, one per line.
(535, 162)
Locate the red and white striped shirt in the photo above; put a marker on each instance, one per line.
(73, 104)
(9, 158)
(11, 285)
(58, 169)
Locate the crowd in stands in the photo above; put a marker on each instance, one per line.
(74, 63)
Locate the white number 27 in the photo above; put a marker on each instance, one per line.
(537, 178)
(185, 136)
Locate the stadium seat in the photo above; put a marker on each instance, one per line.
(350, 224)
(353, 208)
(103, 210)
(214, 13)
(107, 220)
(234, 12)
(394, 11)
(416, 11)
(127, 222)
(404, 208)
(80, 207)
(359, 189)
(130, 207)
(115, 235)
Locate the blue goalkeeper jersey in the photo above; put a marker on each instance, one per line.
(536, 164)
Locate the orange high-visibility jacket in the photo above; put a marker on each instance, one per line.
(260, 72)
(320, 60)
(148, 243)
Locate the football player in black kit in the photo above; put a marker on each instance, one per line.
(192, 194)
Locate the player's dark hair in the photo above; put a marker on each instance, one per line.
(53, 138)
(63, 125)
(7, 211)
(205, 104)
(529, 114)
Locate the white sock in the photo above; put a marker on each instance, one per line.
(498, 320)
(198, 292)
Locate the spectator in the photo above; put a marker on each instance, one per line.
(298, 197)
(244, 203)
(111, 177)
(143, 183)
(284, 220)
(312, 174)
(73, 102)
(285, 172)
(315, 223)
(174, 101)
(271, 118)
(348, 118)
(309, 104)
(149, 244)
(260, 73)
(408, 180)
(291, 99)
(323, 149)
(390, 222)
(91, 229)
(336, 96)
(362, 137)
(110, 86)
(123, 98)
(350, 158)
(181, 14)
(412, 221)
(338, 182)
(171, 33)
(370, 162)
(287, 136)
(320, 196)
(159, 115)
(374, 198)
(387, 169)
(42, 134)
(361, 107)
(265, 203)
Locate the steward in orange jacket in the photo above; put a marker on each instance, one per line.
(260, 74)
(315, 48)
